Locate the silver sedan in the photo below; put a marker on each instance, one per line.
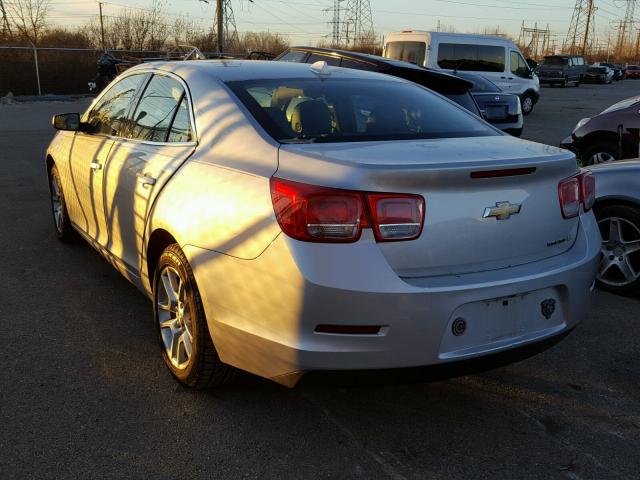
(286, 218)
(617, 210)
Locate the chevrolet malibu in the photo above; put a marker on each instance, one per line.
(288, 218)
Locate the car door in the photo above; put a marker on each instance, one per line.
(89, 152)
(159, 138)
(519, 76)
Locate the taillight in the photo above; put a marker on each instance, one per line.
(319, 214)
(575, 191)
(587, 189)
(396, 217)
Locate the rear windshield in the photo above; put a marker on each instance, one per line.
(480, 84)
(556, 61)
(347, 110)
(412, 52)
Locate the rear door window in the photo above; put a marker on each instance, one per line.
(159, 105)
(412, 52)
(294, 56)
(469, 57)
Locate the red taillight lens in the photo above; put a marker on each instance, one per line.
(569, 192)
(396, 217)
(575, 191)
(587, 189)
(319, 214)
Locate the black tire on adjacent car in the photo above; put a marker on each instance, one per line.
(600, 152)
(179, 317)
(619, 270)
(61, 223)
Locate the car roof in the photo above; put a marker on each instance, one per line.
(239, 70)
(435, 79)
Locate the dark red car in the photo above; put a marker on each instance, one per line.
(632, 71)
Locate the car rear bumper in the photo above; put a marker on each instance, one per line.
(263, 313)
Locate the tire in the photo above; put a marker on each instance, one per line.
(619, 269)
(607, 151)
(181, 325)
(527, 103)
(61, 223)
(565, 84)
(577, 84)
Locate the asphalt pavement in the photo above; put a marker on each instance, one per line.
(84, 393)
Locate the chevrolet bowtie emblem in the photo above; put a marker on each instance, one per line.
(502, 210)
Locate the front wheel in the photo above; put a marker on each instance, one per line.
(527, 103)
(619, 269)
(187, 348)
(61, 223)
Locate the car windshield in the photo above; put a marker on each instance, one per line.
(481, 84)
(597, 70)
(555, 61)
(623, 104)
(633, 67)
(346, 110)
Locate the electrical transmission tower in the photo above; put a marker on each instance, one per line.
(225, 26)
(625, 30)
(534, 41)
(357, 24)
(336, 38)
(5, 26)
(581, 30)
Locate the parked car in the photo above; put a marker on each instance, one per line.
(286, 218)
(443, 83)
(617, 210)
(618, 70)
(598, 75)
(562, 70)
(608, 136)
(454, 88)
(495, 58)
(632, 71)
(498, 108)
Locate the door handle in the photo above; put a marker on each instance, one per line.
(145, 180)
(95, 166)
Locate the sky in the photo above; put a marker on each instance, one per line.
(306, 21)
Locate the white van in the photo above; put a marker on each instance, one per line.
(493, 57)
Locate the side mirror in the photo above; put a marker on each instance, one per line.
(66, 121)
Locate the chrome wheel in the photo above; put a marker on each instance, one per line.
(56, 204)
(601, 157)
(620, 264)
(175, 317)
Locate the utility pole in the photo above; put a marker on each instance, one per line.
(101, 27)
(219, 24)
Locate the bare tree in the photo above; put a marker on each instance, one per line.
(29, 17)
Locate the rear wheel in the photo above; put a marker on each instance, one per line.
(601, 152)
(187, 348)
(64, 230)
(619, 270)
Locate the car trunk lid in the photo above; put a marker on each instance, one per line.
(491, 202)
